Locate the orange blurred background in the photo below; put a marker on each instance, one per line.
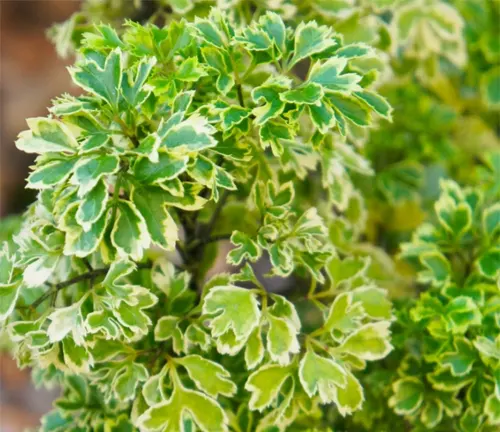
(31, 75)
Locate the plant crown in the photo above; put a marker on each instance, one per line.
(268, 125)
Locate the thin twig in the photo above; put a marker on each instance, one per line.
(240, 95)
(87, 264)
(215, 215)
(212, 239)
(116, 195)
(90, 275)
(237, 80)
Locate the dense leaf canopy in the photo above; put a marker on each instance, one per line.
(349, 147)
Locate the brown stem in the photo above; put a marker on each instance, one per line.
(215, 215)
(211, 239)
(84, 276)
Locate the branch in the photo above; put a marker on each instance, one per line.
(240, 95)
(212, 239)
(215, 216)
(84, 276)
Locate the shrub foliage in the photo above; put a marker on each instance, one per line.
(349, 147)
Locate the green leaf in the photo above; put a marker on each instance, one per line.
(55, 422)
(117, 284)
(322, 116)
(39, 270)
(461, 313)
(153, 389)
(349, 398)
(182, 102)
(311, 39)
(67, 320)
(94, 142)
(285, 309)
(308, 93)
(196, 335)
(209, 32)
(51, 174)
(487, 347)
(456, 219)
(167, 328)
(9, 293)
(376, 102)
(209, 377)
(218, 63)
(92, 206)
(231, 308)
(374, 301)
(432, 413)
(325, 73)
(229, 344)
(130, 234)
(281, 339)
(79, 242)
(128, 379)
(328, 76)
(188, 200)
(166, 168)
(102, 322)
(192, 134)
(489, 264)
(281, 256)
(491, 220)
(77, 358)
(496, 378)
(190, 70)
(408, 396)
(490, 87)
(104, 81)
(272, 133)
(149, 146)
(132, 316)
(451, 405)
(273, 25)
(6, 267)
(89, 170)
(442, 379)
(255, 39)
(369, 342)
(203, 171)
(344, 315)
(439, 269)
(265, 384)
(181, 6)
(321, 375)
(462, 359)
(170, 416)
(133, 87)
(354, 50)
(492, 409)
(245, 248)
(46, 135)
(471, 420)
(162, 228)
(254, 349)
(233, 116)
(269, 95)
(350, 108)
(105, 38)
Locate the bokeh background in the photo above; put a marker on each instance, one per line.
(31, 75)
